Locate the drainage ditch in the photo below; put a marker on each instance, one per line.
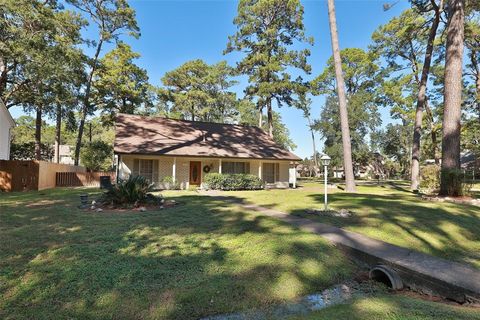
(329, 297)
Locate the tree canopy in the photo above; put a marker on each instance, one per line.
(120, 86)
(265, 33)
(200, 92)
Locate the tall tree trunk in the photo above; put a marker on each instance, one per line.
(434, 144)
(478, 95)
(315, 160)
(90, 132)
(58, 130)
(86, 103)
(476, 70)
(452, 91)
(421, 100)
(3, 77)
(270, 117)
(81, 126)
(433, 132)
(342, 101)
(478, 91)
(260, 117)
(310, 126)
(38, 134)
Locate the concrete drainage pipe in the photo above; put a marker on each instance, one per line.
(386, 275)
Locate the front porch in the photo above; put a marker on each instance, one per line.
(189, 171)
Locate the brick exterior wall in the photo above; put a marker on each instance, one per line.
(182, 172)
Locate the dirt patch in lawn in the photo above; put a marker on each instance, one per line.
(417, 295)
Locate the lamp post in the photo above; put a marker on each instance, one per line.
(325, 161)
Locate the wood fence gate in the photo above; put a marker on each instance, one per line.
(81, 179)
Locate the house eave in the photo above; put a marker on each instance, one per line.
(205, 156)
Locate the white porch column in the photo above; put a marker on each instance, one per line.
(260, 170)
(174, 170)
(220, 166)
(292, 175)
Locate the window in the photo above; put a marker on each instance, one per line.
(235, 167)
(146, 168)
(271, 172)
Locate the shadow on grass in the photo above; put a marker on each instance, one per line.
(390, 213)
(441, 231)
(202, 258)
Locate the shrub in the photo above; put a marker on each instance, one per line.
(169, 184)
(456, 182)
(97, 156)
(430, 179)
(26, 151)
(214, 181)
(219, 181)
(133, 191)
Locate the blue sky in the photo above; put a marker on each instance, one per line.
(174, 32)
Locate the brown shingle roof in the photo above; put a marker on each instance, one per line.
(161, 136)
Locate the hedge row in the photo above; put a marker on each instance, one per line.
(219, 181)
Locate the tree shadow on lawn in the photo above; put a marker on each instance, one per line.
(201, 258)
(442, 229)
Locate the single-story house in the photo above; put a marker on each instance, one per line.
(6, 125)
(183, 151)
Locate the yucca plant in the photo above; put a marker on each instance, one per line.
(133, 190)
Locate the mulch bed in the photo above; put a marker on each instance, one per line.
(167, 204)
(460, 200)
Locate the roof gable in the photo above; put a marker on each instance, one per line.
(161, 136)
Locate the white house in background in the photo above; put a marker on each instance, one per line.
(64, 154)
(6, 125)
(185, 151)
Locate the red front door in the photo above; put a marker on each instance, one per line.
(195, 172)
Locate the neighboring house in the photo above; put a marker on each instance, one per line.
(185, 151)
(64, 154)
(338, 172)
(6, 125)
(469, 161)
(470, 164)
(309, 170)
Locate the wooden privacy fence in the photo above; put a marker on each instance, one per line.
(82, 179)
(24, 175)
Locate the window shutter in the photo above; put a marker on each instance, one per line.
(247, 167)
(136, 167)
(277, 172)
(155, 172)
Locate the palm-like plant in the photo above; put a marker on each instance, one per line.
(133, 190)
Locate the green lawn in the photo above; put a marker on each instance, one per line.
(389, 213)
(393, 307)
(201, 258)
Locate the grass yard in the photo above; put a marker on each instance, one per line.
(198, 259)
(393, 307)
(390, 213)
(201, 258)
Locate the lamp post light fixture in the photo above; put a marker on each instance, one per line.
(325, 161)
